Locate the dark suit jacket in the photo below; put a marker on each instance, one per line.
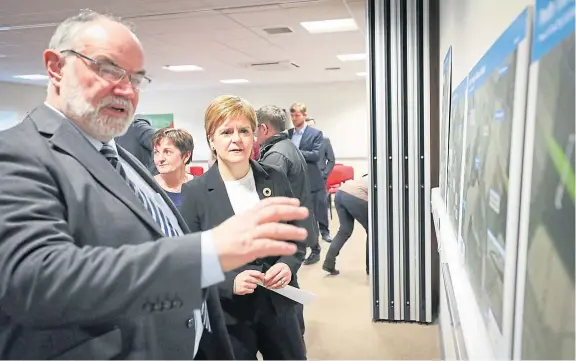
(327, 158)
(310, 145)
(138, 142)
(85, 272)
(206, 205)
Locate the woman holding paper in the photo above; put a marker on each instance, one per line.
(257, 318)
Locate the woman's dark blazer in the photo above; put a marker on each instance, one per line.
(206, 204)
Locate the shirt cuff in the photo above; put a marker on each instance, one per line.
(211, 269)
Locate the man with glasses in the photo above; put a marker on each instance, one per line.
(95, 262)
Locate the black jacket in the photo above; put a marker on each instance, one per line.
(279, 151)
(206, 205)
(138, 141)
(327, 158)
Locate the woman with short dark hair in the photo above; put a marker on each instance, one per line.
(173, 150)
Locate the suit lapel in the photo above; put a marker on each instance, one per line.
(264, 184)
(305, 136)
(68, 139)
(217, 195)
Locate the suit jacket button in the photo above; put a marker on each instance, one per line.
(190, 323)
(166, 305)
(176, 303)
(148, 307)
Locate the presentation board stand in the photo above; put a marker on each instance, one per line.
(506, 230)
(463, 333)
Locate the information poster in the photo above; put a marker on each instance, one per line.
(445, 120)
(548, 220)
(159, 121)
(492, 96)
(455, 153)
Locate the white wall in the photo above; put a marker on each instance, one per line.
(471, 27)
(340, 110)
(20, 98)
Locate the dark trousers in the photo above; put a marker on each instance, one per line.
(349, 208)
(320, 199)
(276, 336)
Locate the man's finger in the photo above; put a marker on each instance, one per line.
(277, 201)
(263, 247)
(280, 232)
(281, 212)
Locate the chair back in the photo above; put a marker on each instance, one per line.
(196, 170)
(340, 173)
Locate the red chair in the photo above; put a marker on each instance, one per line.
(196, 170)
(340, 174)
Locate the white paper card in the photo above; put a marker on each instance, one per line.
(295, 294)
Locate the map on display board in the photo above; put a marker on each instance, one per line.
(455, 154)
(548, 217)
(445, 120)
(494, 134)
(8, 119)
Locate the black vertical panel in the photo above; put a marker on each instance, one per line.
(404, 154)
(389, 181)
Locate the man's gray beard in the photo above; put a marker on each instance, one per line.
(102, 127)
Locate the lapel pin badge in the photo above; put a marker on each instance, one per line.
(267, 192)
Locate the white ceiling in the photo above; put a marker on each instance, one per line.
(221, 36)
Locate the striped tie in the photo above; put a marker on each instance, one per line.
(156, 212)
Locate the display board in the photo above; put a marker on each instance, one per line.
(455, 153)
(445, 120)
(545, 322)
(159, 121)
(492, 175)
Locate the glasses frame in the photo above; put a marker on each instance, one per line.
(143, 83)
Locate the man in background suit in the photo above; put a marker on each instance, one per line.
(87, 268)
(138, 141)
(309, 141)
(326, 164)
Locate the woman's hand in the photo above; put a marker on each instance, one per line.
(278, 276)
(247, 281)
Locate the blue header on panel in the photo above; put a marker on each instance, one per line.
(504, 46)
(447, 59)
(460, 90)
(553, 21)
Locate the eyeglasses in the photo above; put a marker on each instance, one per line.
(114, 73)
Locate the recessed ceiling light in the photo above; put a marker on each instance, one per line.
(330, 26)
(351, 57)
(2, 56)
(234, 81)
(182, 68)
(362, 73)
(32, 77)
